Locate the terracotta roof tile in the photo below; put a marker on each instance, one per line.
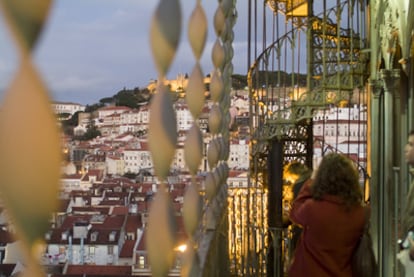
(103, 270)
(127, 250)
(114, 221)
(120, 210)
(107, 202)
(133, 223)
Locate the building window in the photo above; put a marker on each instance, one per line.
(110, 250)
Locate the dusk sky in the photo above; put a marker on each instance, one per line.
(91, 49)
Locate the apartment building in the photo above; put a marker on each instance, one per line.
(67, 107)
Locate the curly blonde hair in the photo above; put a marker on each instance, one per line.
(337, 175)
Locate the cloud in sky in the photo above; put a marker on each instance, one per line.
(91, 49)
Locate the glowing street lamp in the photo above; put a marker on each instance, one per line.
(181, 248)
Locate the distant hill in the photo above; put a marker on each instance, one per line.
(280, 78)
(134, 97)
(127, 97)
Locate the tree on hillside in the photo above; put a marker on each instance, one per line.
(130, 97)
(91, 132)
(73, 120)
(143, 95)
(106, 101)
(126, 98)
(62, 116)
(238, 82)
(69, 124)
(93, 107)
(280, 78)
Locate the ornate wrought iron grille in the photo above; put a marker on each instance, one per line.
(307, 71)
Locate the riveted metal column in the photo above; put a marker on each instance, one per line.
(376, 191)
(309, 48)
(407, 122)
(410, 100)
(391, 79)
(275, 162)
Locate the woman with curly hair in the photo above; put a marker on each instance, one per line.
(330, 209)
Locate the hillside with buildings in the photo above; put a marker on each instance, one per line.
(108, 183)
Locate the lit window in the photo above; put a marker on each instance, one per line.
(141, 262)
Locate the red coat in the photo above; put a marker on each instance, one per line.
(330, 233)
